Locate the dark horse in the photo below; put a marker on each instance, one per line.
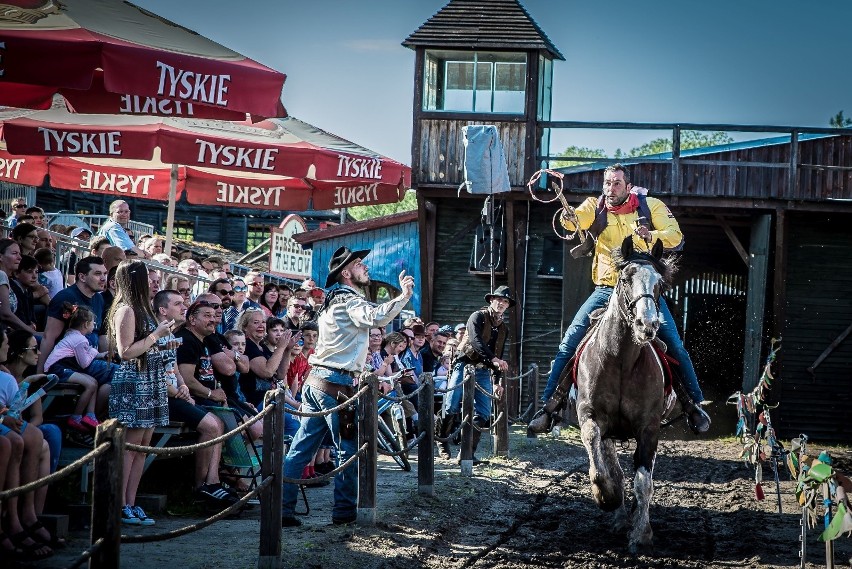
(620, 388)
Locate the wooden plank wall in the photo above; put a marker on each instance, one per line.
(442, 151)
(819, 309)
(392, 249)
(457, 293)
(814, 183)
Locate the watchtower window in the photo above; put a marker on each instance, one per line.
(474, 81)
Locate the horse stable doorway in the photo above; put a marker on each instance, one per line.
(708, 302)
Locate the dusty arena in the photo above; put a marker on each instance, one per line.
(533, 509)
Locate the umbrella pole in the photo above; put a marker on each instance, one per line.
(170, 214)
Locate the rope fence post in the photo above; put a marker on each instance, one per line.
(426, 427)
(272, 461)
(367, 469)
(466, 452)
(107, 496)
(501, 428)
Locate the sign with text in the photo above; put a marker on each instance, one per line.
(286, 257)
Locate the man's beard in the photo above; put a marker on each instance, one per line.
(361, 281)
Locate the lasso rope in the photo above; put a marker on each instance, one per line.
(567, 212)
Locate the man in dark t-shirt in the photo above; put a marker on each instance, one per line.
(86, 291)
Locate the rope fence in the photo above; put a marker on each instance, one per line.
(192, 528)
(56, 476)
(106, 537)
(189, 449)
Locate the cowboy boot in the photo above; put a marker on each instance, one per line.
(547, 417)
(445, 428)
(477, 435)
(697, 419)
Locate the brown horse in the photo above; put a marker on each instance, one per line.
(620, 388)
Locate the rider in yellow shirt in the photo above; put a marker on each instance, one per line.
(618, 214)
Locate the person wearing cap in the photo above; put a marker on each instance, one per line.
(481, 347)
(81, 233)
(19, 208)
(460, 330)
(339, 357)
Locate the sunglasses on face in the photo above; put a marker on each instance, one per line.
(20, 205)
(227, 292)
(239, 288)
(183, 290)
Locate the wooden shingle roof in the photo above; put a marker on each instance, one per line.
(482, 24)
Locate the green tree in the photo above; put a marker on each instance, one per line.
(581, 151)
(839, 121)
(408, 203)
(688, 139)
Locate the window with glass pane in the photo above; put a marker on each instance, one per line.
(256, 235)
(481, 82)
(182, 230)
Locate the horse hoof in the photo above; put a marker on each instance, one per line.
(641, 549)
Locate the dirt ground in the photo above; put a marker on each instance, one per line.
(532, 509)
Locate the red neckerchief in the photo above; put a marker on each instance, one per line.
(629, 206)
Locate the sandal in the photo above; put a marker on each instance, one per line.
(14, 552)
(35, 551)
(53, 542)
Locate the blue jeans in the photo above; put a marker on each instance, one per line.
(667, 333)
(481, 402)
(307, 441)
(53, 436)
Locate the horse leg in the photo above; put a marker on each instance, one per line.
(620, 519)
(608, 493)
(641, 533)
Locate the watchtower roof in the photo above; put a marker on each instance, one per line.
(482, 24)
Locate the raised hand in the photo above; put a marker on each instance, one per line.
(406, 284)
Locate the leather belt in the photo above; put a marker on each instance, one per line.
(329, 388)
(335, 370)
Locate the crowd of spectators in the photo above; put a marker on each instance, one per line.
(148, 338)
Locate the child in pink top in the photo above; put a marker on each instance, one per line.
(74, 360)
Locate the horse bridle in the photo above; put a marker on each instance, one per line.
(630, 306)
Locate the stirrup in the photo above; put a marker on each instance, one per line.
(543, 422)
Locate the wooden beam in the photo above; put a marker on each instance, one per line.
(779, 280)
(755, 300)
(516, 247)
(427, 227)
(733, 238)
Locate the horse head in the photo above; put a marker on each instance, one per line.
(642, 278)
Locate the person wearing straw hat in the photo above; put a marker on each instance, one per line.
(344, 321)
(482, 347)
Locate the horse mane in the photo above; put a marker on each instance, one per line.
(666, 265)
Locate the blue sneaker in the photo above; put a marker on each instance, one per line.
(144, 520)
(128, 517)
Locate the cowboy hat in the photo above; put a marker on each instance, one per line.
(342, 257)
(501, 292)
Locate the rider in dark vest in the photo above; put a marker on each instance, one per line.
(622, 211)
(482, 347)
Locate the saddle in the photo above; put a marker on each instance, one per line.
(548, 417)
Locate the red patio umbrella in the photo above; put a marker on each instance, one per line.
(110, 56)
(276, 164)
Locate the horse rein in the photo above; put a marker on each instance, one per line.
(630, 313)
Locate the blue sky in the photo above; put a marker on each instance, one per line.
(777, 62)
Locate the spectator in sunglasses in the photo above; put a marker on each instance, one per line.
(19, 208)
(295, 313)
